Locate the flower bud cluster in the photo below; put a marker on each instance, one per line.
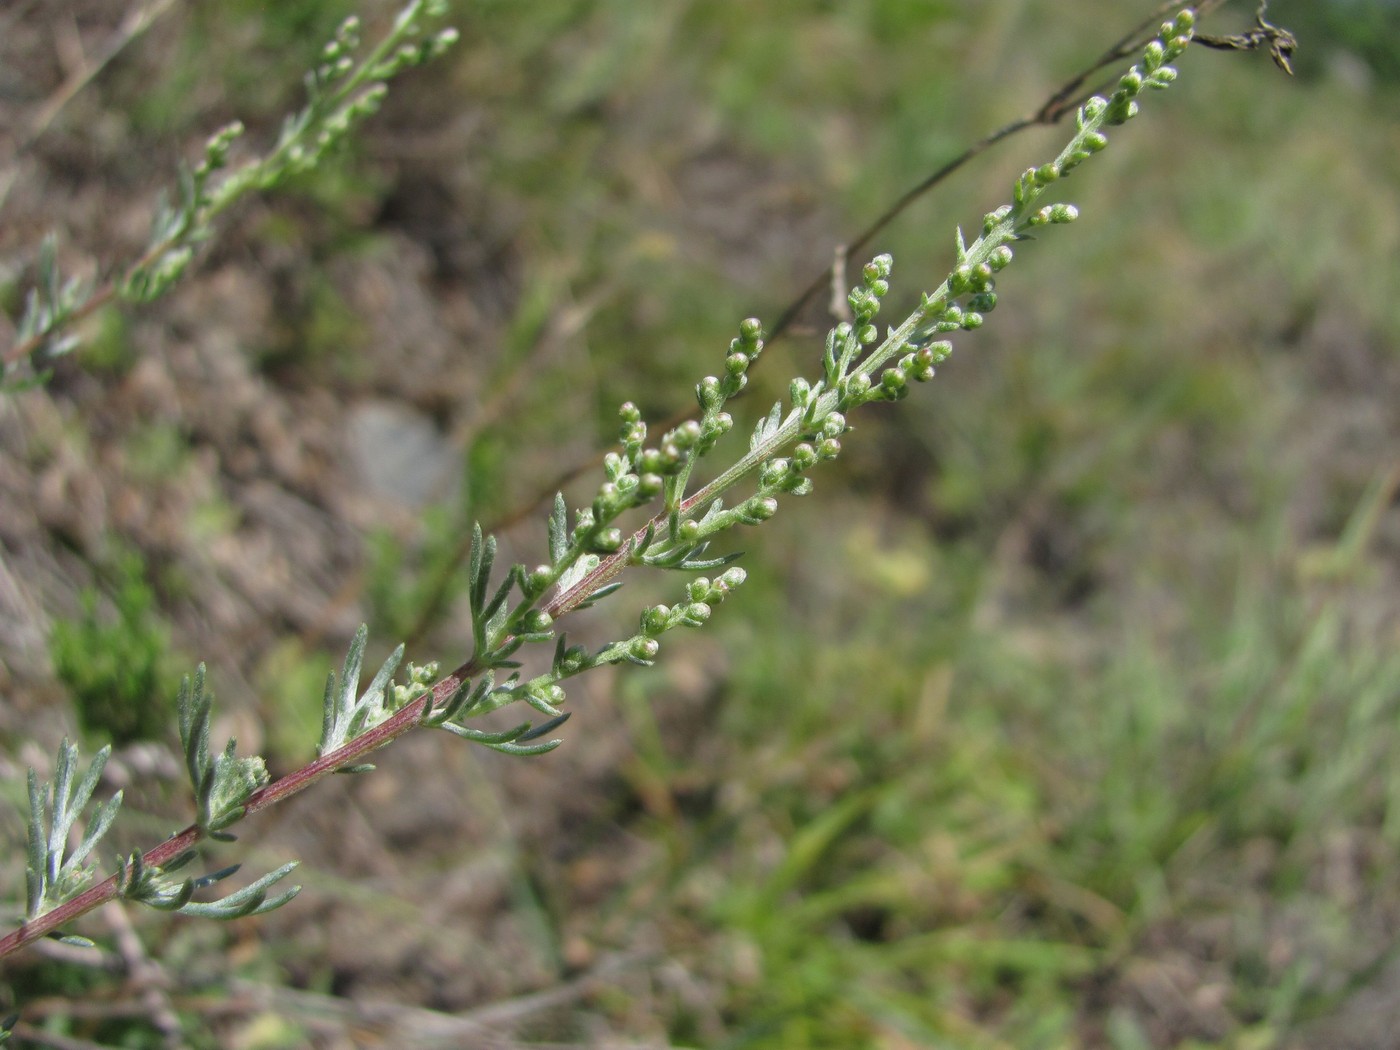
(1033, 180)
(337, 56)
(787, 474)
(865, 300)
(1174, 38)
(639, 473)
(821, 433)
(419, 679)
(414, 53)
(216, 150)
(701, 596)
(743, 350)
(978, 284)
(1054, 213)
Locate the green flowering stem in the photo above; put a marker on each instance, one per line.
(341, 93)
(818, 410)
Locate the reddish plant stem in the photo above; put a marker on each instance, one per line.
(611, 567)
(406, 718)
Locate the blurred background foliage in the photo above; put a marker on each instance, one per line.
(1063, 714)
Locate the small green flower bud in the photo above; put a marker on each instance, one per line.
(736, 363)
(696, 613)
(536, 620)
(445, 39)
(800, 391)
(1131, 83)
(1021, 192)
(629, 413)
(609, 540)
(644, 648)
(828, 449)
(217, 148)
(731, 577)
(688, 531)
(953, 315)
(573, 659)
(773, 472)
(370, 101)
(938, 351)
(993, 217)
(983, 302)
(656, 619)
(708, 393)
(834, 425)
(1095, 141)
(971, 319)
(699, 589)
(1185, 19)
(607, 498)
(863, 305)
(856, 385)
(1161, 77)
(868, 334)
(981, 276)
(878, 268)
(1063, 213)
(893, 383)
(1093, 108)
(879, 289)
(1000, 258)
(686, 435)
(750, 329)
(539, 579)
(1123, 111)
(1153, 55)
(760, 508)
(649, 486)
(797, 485)
(1075, 159)
(804, 456)
(1046, 174)
(723, 423)
(614, 466)
(960, 281)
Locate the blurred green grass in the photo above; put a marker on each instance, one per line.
(1064, 712)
